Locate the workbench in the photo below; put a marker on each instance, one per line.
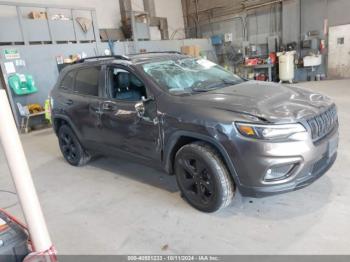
(269, 68)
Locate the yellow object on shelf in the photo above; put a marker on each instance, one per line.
(35, 108)
(47, 110)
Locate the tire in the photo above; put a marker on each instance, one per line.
(71, 148)
(203, 178)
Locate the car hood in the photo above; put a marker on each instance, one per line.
(268, 101)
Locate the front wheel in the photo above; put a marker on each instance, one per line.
(203, 178)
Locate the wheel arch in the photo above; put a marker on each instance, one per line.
(59, 120)
(181, 138)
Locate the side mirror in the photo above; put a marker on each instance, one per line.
(147, 108)
(140, 109)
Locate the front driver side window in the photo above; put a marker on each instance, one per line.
(124, 85)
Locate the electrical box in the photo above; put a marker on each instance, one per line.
(228, 37)
(313, 43)
(306, 44)
(216, 40)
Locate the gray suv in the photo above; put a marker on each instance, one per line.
(214, 130)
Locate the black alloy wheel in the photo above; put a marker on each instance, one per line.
(203, 178)
(196, 179)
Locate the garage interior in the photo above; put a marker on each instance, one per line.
(138, 209)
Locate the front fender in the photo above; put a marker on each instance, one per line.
(176, 136)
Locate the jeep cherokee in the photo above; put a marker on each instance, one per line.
(214, 130)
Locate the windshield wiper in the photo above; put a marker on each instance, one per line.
(214, 86)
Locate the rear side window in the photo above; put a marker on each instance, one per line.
(87, 80)
(68, 82)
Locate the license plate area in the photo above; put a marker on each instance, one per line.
(332, 146)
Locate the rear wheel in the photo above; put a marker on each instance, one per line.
(203, 178)
(71, 148)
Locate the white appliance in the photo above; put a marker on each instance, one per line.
(312, 60)
(286, 66)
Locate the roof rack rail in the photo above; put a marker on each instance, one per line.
(159, 52)
(121, 57)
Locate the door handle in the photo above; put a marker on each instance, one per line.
(69, 102)
(108, 106)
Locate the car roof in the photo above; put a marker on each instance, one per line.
(156, 56)
(132, 58)
(135, 59)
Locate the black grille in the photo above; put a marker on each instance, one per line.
(323, 124)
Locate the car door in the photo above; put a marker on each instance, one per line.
(85, 105)
(124, 129)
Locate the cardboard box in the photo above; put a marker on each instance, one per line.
(112, 34)
(192, 50)
(186, 50)
(197, 50)
(37, 15)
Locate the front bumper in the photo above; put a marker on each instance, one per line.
(252, 159)
(305, 180)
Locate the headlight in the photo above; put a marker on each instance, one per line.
(269, 132)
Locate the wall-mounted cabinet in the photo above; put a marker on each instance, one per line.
(33, 23)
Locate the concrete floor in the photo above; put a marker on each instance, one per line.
(114, 207)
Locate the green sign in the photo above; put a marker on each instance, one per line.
(11, 54)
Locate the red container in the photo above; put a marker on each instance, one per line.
(273, 58)
(251, 61)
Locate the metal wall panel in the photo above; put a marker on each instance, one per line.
(62, 30)
(81, 35)
(36, 30)
(10, 30)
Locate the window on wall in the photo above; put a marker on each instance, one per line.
(340, 40)
(87, 81)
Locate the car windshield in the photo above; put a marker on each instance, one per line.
(190, 75)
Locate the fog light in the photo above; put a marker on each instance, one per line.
(278, 172)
